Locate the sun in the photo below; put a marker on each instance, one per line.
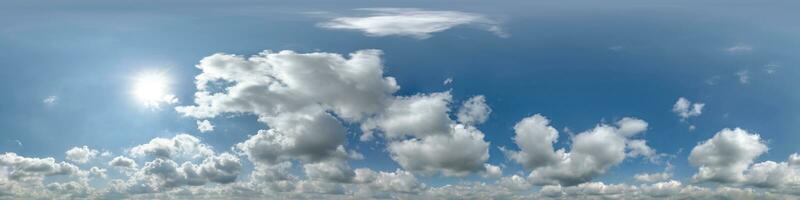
(152, 89)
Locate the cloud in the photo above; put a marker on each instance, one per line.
(447, 81)
(204, 126)
(50, 100)
(419, 115)
(740, 48)
(592, 152)
(686, 109)
(410, 22)
(724, 157)
(81, 155)
(21, 168)
(727, 158)
(654, 177)
(744, 76)
(181, 146)
(123, 162)
(308, 137)
(474, 111)
(457, 154)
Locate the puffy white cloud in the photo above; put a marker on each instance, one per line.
(81, 155)
(685, 108)
(654, 177)
(492, 171)
(410, 22)
(123, 162)
(629, 126)
(283, 82)
(331, 171)
(308, 137)
(640, 148)
(22, 168)
(223, 168)
(726, 155)
(418, 115)
(592, 152)
(535, 138)
(474, 111)
(204, 126)
(398, 181)
(180, 146)
(458, 154)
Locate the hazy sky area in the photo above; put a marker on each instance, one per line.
(399, 100)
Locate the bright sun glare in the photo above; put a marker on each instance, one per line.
(152, 89)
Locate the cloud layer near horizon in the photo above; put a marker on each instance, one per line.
(309, 102)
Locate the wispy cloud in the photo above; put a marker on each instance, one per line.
(744, 76)
(50, 100)
(411, 22)
(740, 48)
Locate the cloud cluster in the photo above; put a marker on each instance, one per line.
(81, 155)
(306, 98)
(592, 152)
(411, 22)
(310, 102)
(685, 108)
(727, 158)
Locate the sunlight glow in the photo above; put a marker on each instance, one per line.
(152, 89)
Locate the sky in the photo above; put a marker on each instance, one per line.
(399, 100)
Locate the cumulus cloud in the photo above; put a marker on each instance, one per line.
(458, 154)
(592, 152)
(20, 168)
(81, 155)
(418, 115)
(724, 157)
(474, 111)
(654, 177)
(204, 126)
(416, 23)
(686, 109)
(305, 98)
(180, 146)
(123, 162)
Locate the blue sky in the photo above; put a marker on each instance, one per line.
(71, 72)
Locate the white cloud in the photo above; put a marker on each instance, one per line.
(81, 155)
(20, 168)
(724, 157)
(654, 177)
(283, 82)
(740, 48)
(474, 111)
(447, 81)
(309, 137)
(629, 126)
(458, 154)
(123, 162)
(181, 146)
(744, 76)
(592, 152)
(50, 100)
(204, 126)
(771, 68)
(411, 22)
(418, 115)
(686, 109)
